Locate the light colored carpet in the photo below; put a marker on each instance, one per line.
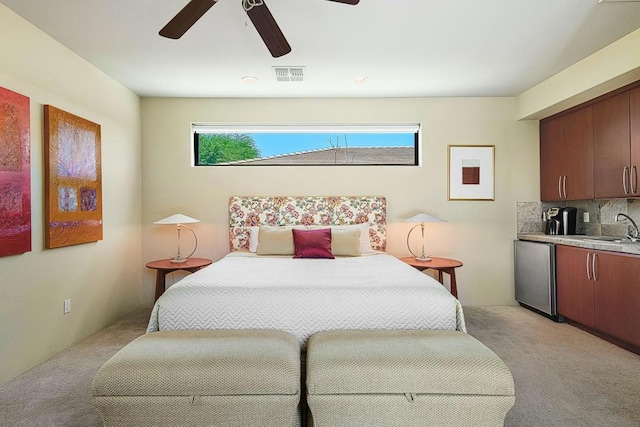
(564, 377)
(57, 392)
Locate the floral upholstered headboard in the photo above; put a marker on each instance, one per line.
(249, 211)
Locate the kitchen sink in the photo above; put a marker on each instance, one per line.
(612, 239)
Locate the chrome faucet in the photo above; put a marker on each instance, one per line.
(633, 237)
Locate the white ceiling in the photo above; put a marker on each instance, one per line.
(404, 47)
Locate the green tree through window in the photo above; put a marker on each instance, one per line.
(224, 148)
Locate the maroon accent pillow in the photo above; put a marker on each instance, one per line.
(312, 243)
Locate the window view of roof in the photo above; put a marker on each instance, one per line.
(297, 145)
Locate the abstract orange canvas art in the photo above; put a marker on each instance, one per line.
(15, 174)
(73, 179)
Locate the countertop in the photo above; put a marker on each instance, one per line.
(581, 241)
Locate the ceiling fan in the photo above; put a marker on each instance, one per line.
(257, 11)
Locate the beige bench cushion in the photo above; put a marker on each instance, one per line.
(405, 378)
(203, 363)
(399, 362)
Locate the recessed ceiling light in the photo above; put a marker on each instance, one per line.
(359, 79)
(249, 80)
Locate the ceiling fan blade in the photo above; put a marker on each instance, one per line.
(185, 19)
(268, 29)
(353, 2)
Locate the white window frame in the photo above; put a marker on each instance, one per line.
(297, 128)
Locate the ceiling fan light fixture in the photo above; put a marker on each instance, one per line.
(247, 5)
(257, 11)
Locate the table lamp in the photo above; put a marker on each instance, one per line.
(180, 220)
(421, 218)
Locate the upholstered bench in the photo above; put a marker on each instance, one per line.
(405, 378)
(202, 378)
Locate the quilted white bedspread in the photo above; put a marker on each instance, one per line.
(304, 296)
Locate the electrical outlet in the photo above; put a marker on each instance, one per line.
(67, 306)
(585, 217)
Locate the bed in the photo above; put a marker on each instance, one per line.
(247, 289)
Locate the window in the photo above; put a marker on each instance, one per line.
(314, 145)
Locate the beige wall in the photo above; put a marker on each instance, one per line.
(479, 234)
(102, 279)
(610, 68)
(106, 280)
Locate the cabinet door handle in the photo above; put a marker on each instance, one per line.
(588, 262)
(634, 180)
(594, 264)
(560, 186)
(625, 173)
(564, 186)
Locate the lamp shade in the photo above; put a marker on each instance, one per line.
(177, 219)
(424, 217)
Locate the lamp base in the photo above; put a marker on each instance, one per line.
(178, 260)
(425, 259)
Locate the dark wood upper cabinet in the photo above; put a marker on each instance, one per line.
(612, 148)
(592, 151)
(578, 139)
(634, 127)
(551, 159)
(566, 156)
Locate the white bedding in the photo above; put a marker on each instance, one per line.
(304, 296)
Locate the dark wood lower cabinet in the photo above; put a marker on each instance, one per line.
(600, 290)
(617, 296)
(574, 287)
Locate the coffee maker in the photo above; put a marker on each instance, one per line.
(569, 218)
(561, 221)
(553, 221)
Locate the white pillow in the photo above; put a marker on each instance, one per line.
(365, 241)
(253, 238)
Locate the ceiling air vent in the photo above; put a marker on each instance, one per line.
(289, 74)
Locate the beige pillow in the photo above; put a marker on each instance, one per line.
(345, 242)
(254, 233)
(365, 241)
(275, 241)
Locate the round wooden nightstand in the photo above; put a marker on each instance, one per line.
(164, 266)
(442, 265)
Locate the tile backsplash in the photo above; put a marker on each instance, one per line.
(601, 216)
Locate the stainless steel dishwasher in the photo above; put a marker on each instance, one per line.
(535, 276)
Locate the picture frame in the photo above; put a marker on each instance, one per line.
(73, 179)
(15, 173)
(471, 172)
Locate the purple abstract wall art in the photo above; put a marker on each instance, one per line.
(15, 174)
